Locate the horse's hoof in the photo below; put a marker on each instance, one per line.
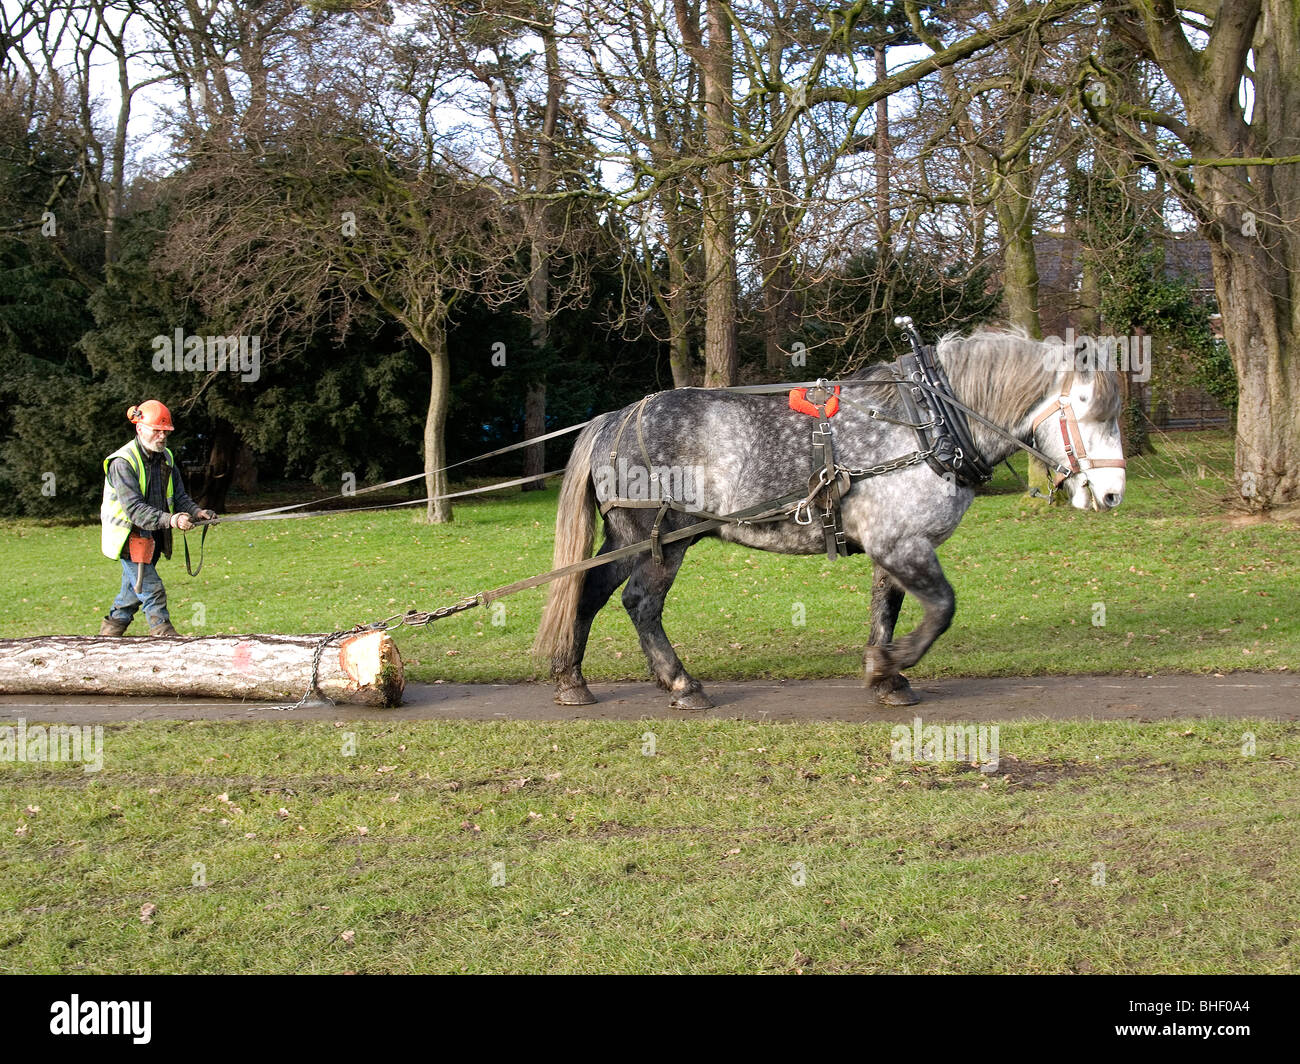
(902, 697)
(895, 691)
(691, 700)
(574, 696)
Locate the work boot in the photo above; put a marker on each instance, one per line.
(163, 628)
(113, 627)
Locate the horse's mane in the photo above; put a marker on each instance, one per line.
(1003, 374)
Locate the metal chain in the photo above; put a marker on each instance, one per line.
(419, 618)
(411, 619)
(889, 467)
(315, 671)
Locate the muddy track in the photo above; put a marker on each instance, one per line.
(1272, 695)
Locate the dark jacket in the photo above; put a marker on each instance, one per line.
(148, 512)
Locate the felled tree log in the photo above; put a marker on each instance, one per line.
(364, 669)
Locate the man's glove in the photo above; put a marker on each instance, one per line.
(182, 521)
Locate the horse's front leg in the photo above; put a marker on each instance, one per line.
(915, 568)
(886, 601)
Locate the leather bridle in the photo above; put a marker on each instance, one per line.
(1072, 438)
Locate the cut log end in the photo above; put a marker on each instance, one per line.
(374, 669)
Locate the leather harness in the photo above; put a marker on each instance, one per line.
(829, 482)
(1072, 438)
(935, 414)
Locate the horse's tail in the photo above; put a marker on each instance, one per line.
(575, 530)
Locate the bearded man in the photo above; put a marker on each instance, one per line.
(144, 499)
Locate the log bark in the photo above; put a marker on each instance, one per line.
(364, 669)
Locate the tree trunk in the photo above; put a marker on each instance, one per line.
(1255, 248)
(1020, 266)
(1014, 200)
(1013, 197)
(677, 300)
(720, 306)
(1246, 211)
(244, 477)
(777, 273)
(434, 340)
(535, 425)
(539, 278)
(776, 318)
(365, 669)
(1265, 349)
(212, 483)
(539, 331)
(882, 157)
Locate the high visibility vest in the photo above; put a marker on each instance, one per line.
(115, 526)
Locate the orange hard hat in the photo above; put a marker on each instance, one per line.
(151, 414)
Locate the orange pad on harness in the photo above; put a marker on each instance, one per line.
(799, 402)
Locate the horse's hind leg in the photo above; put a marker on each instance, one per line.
(886, 601)
(914, 567)
(643, 598)
(599, 583)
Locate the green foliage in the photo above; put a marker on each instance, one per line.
(52, 403)
(1139, 292)
(1214, 371)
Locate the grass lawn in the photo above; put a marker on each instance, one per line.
(1178, 587)
(734, 847)
(684, 845)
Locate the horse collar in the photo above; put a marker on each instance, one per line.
(946, 432)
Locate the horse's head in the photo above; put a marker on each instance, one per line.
(1069, 405)
(1079, 426)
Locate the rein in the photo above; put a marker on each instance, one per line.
(943, 431)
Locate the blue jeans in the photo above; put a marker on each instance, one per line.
(153, 596)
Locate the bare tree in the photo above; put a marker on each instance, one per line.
(354, 204)
(1236, 168)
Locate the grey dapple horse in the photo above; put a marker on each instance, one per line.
(721, 452)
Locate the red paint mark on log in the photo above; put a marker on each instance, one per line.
(243, 656)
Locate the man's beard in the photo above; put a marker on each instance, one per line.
(154, 448)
